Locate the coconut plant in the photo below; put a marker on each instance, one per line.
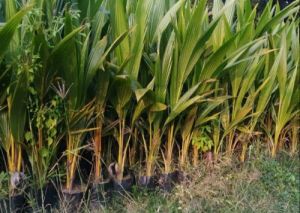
(14, 94)
(287, 108)
(242, 38)
(101, 88)
(72, 89)
(41, 59)
(128, 56)
(184, 51)
(207, 67)
(202, 76)
(77, 78)
(179, 101)
(99, 73)
(42, 136)
(265, 91)
(152, 100)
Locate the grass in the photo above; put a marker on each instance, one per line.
(259, 185)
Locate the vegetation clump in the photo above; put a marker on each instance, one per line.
(107, 94)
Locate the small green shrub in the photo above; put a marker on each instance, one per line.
(4, 179)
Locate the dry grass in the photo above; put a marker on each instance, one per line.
(225, 187)
(259, 185)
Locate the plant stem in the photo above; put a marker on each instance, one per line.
(195, 156)
(244, 150)
(276, 139)
(121, 147)
(229, 147)
(153, 151)
(184, 152)
(40, 138)
(71, 163)
(132, 154)
(98, 147)
(294, 137)
(19, 158)
(169, 149)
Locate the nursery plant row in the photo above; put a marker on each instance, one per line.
(113, 93)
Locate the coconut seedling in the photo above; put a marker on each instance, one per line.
(144, 93)
(72, 88)
(190, 48)
(203, 66)
(154, 97)
(99, 73)
(93, 65)
(224, 52)
(152, 100)
(245, 91)
(92, 76)
(12, 127)
(186, 137)
(13, 96)
(271, 67)
(91, 60)
(264, 86)
(13, 151)
(203, 75)
(76, 131)
(181, 69)
(242, 91)
(44, 113)
(128, 57)
(103, 81)
(287, 108)
(294, 132)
